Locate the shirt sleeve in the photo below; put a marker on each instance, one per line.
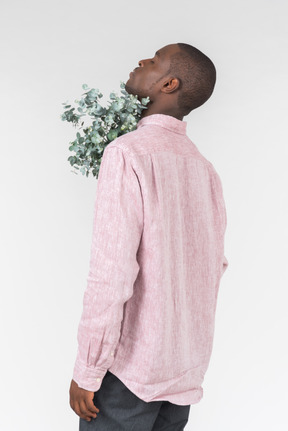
(117, 230)
(225, 261)
(222, 217)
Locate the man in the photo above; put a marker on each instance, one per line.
(157, 256)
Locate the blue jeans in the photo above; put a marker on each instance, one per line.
(121, 410)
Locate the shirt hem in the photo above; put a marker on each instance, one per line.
(188, 397)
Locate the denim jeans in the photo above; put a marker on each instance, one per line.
(121, 410)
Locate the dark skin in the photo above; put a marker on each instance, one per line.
(81, 401)
(149, 79)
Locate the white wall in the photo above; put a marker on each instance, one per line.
(48, 50)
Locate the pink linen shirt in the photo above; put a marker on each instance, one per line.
(157, 256)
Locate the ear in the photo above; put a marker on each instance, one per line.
(170, 85)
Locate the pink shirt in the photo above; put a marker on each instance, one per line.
(157, 256)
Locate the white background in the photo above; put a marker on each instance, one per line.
(48, 50)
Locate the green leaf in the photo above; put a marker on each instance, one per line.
(145, 100)
(112, 135)
(120, 116)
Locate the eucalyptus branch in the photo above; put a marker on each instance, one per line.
(119, 117)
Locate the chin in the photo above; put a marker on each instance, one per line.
(129, 89)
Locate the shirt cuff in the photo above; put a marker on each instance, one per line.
(88, 378)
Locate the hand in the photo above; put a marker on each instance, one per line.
(81, 401)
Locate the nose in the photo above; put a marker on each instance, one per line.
(142, 62)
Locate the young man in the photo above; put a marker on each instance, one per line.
(157, 256)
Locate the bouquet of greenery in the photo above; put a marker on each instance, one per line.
(120, 117)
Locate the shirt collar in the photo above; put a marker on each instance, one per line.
(165, 121)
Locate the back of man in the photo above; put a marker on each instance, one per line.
(167, 329)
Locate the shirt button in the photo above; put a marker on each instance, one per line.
(98, 380)
(112, 353)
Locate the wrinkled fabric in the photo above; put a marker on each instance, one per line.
(157, 257)
(121, 410)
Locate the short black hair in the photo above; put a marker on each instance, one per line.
(197, 76)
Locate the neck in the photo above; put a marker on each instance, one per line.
(165, 110)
